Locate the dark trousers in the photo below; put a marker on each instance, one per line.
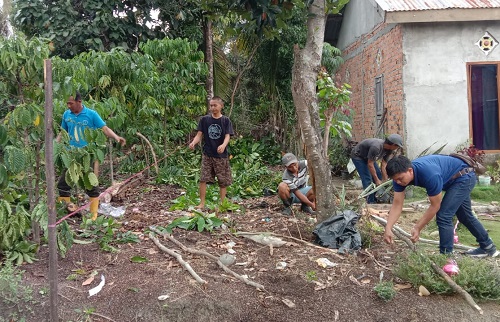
(65, 188)
(366, 176)
(457, 201)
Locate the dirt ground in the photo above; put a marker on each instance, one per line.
(301, 291)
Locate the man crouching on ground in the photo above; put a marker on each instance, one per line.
(294, 188)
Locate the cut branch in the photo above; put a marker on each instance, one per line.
(207, 254)
(119, 189)
(333, 251)
(152, 151)
(179, 259)
(455, 287)
(397, 229)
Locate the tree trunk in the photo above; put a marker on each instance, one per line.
(307, 62)
(209, 59)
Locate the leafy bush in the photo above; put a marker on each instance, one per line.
(14, 227)
(265, 150)
(475, 154)
(198, 221)
(104, 231)
(251, 175)
(493, 170)
(338, 154)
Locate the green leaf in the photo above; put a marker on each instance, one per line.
(86, 182)
(82, 242)
(94, 181)
(74, 174)
(65, 160)
(200, 223)
(3, 135)
(138, 259)
(4, 179)
(100, 156)
(15, 160)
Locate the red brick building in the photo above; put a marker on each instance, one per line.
(414, 69)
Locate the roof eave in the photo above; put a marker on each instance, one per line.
(442, 15)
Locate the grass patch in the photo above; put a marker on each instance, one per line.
(481, 194)
(492, 227)
(418, 194)
(486, 194)
(385, 290)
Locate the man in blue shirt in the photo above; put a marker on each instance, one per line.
(437, 173)
(74, 121)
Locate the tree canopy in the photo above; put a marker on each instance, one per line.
(78, 26)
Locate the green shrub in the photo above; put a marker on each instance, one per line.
(385, 290)
(478, 277)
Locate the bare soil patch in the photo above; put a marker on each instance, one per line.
(302, 291)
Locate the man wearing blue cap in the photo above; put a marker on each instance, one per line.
(365, 156)
(294, 188)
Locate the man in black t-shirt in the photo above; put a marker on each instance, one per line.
(215, 129)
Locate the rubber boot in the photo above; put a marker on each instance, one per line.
(94, 205)
(69, 205)
(287, 211)
(67, 200)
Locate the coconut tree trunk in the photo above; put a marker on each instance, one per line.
(209, 59)
(307, 62)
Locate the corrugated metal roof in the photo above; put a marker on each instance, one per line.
(413, 5)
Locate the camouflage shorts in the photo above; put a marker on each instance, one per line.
(216, 167)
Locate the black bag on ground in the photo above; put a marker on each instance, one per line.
(478, 167)
(339, 231)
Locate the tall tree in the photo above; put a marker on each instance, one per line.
(78, 26)
(307, 63)
(305, 74)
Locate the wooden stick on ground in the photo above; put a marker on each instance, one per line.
(333, 251)
(207, 254)
(423, 240)
(179, 259)
(457, 288)
(454, 286)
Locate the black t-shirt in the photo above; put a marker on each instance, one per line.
(214, 130)
(370, 149)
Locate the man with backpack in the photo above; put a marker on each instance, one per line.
(437, 173)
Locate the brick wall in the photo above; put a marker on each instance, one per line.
(377, 53)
